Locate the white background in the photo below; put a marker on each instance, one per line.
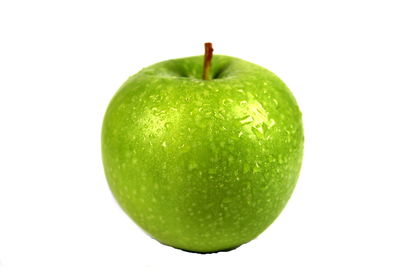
(62, 61)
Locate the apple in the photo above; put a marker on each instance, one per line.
(203, 159)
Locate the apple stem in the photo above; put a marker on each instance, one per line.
(208, 53)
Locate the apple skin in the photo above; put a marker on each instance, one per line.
(203, 165)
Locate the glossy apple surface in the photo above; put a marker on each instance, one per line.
(203, 165)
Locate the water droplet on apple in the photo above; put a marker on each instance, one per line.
(246, 168)
(193, 165)
(219, 115)
(256, 168)
(246, 120)
(271, 123)
(281, 159)
(226, 200)
(265, 128)
(212, 171)
(257, 132)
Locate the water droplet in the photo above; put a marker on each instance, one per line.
(246, 168)
(193, 165)
(184, 148)
(212, 171)
(164, 144)
(271, 123)
(226, 200)
(257, 132)
(271, 159)
(257, 168)
(246, 120)
(219, 115)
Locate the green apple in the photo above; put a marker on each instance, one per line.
(203, 165)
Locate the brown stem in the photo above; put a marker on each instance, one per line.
(208, 53)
